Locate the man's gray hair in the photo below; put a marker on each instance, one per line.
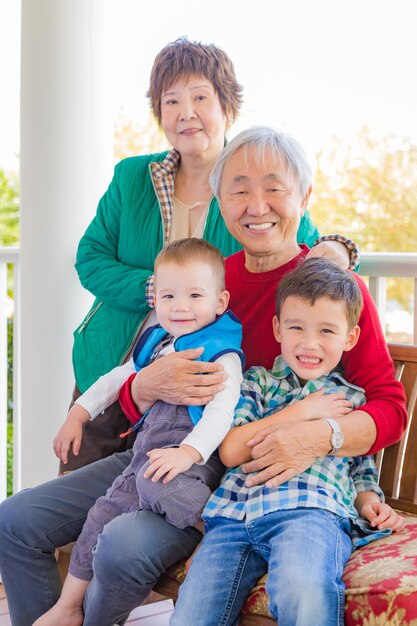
(262, 139)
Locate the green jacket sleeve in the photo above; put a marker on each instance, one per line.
(307, 231)
(99, 267)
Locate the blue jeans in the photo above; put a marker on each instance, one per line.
(304, 551)
(131, 554)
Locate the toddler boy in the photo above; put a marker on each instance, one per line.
(174, 466)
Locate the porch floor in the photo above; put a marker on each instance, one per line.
(156, 613)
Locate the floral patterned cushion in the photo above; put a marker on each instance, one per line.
(380, 578)
(381, 581)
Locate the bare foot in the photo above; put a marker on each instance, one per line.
(61, 615)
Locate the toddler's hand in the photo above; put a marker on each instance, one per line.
(321, 404)
(71, 432)
(381, 516)
(169, 462)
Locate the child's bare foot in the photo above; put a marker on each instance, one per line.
(61, 615)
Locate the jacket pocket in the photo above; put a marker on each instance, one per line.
(88, 317)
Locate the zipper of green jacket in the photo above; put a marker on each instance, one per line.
(135, 336)
(164, 233)
(89, 316)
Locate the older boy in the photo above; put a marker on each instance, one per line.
(301, 529)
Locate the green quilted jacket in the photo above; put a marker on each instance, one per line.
(116, 255)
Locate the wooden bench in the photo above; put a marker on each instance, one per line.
(381, 579)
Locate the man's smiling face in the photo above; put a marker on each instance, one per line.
(262, 207)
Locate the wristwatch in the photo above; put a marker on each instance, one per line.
(337, 437)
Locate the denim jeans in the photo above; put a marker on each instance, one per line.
(132, 552)
(304, 550)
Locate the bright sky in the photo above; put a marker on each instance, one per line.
(317, 68)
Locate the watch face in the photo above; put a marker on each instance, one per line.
(337, 440)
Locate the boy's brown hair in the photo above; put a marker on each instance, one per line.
(319, 278)
(184, 251)
(184, 58)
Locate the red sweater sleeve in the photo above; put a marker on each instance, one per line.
(126, 401)
(370, 366)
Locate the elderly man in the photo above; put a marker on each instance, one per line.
(263, 183)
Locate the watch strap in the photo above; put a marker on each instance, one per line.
(336, 439)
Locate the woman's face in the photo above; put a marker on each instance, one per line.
(193, 119)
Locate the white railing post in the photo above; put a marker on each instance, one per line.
(381, 265)
(3, 380)
(378, 289)
(415, 311)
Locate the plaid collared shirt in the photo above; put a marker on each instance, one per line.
(331, 483)
(163, 178)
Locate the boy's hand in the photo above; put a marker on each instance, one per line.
(381, 516)
(71, 432)
(320, 404)
(169, 462)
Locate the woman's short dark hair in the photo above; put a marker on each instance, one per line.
(183, 58)
(319, 278)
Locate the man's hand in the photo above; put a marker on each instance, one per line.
(281, 452)
(381, 516)
(169, 462)
(71, 432)
(320, 404)
(332, 251)
(173, 379)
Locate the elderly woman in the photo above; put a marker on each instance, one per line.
(151, 201)
(262, 203)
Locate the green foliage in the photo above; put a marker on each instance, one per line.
(9, 459)
(9, 406)
(9, 208)
(9, 236)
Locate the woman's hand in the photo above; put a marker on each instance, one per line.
(281, 452)
(333, 251)
(173, 379)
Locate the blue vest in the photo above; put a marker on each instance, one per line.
(220, 337)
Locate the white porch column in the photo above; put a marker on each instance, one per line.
(66, 164)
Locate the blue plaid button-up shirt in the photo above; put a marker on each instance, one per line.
(331, 483)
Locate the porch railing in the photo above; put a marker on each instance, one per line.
(377, 266)
(382, 265)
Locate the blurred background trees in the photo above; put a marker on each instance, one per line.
(367, 189)
(131, 138)
(9, 208)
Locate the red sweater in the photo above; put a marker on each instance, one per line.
(368, 364)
